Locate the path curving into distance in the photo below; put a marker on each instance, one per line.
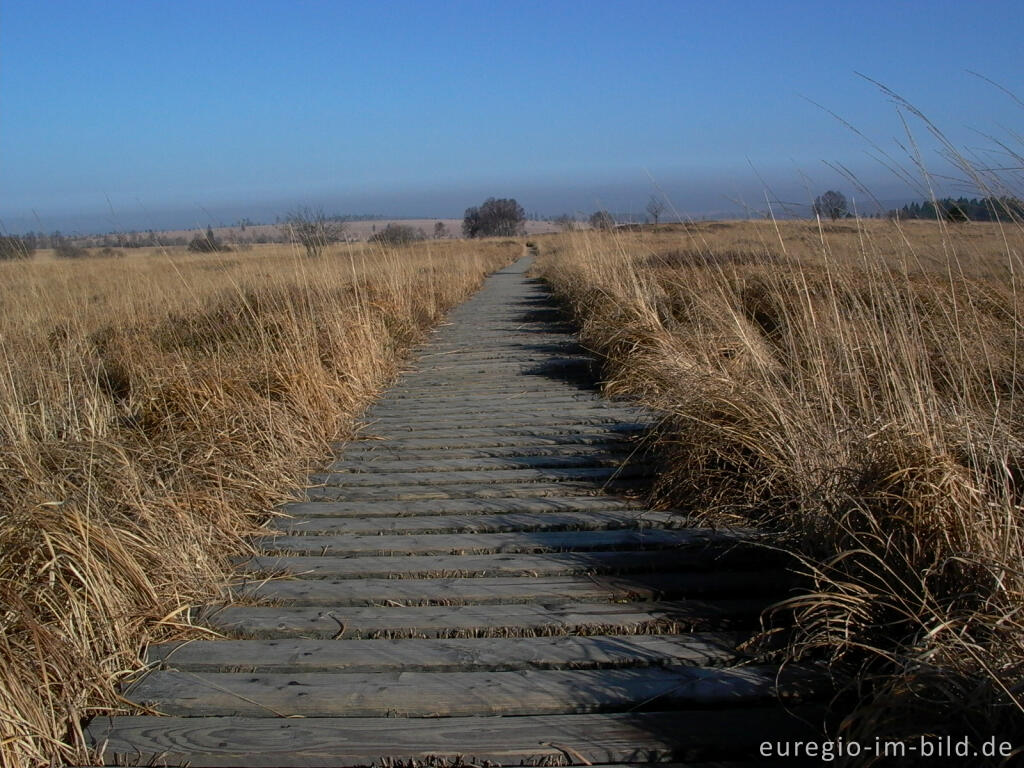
(475, 582)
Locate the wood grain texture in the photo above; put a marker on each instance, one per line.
(492, 490)
(481, 477)
(228, 742)
(372, 456)
(510, 590)
(467, 655)
(489, 543)
(481, 464)
(511, 414)
(500, 564)
(503, 620)
(480, 523)
(600, 429)
(526, 439)
(411, 508)
(404, 693)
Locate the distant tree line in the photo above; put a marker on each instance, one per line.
(303, 226)
(964, 209)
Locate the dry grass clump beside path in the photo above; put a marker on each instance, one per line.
(856, 386)
(152, 410)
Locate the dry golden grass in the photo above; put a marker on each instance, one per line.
(153, 408)
(855, 386)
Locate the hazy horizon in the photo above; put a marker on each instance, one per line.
(686, 199)
(133, 116)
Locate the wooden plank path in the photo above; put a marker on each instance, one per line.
(474, 582)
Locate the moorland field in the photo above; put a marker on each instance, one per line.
(852, 385)
(855, 386)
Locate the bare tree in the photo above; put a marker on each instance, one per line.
(602, 220)
(312, 229)
(831, 204)
(440, 230)
(655, 208)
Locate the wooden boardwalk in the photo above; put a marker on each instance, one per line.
(474, 582)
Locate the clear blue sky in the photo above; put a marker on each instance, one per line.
(214, 108)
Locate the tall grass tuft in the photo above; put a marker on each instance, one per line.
(857, 387)
(153, 409)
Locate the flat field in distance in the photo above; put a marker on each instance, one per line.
(354, 231)
(152, 410)
(855, 385)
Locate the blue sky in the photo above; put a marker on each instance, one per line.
(144, 113)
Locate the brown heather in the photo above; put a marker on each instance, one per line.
(153, 409)
(857, 387)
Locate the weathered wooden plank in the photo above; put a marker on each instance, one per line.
(526, 406)
(512, 521)
(467, 655)
(501, 415)
(498, 346)
(512, 365)
(489, 543)
(425, 428)
(553, 361)
(524, 440)
(463, 434)
(499, 590)
(489, 477)
(514, 620)
(498, 416)
(483, 382)
(496, 490)
(525, 366)
(468, 506)
(462, 403)
(518, 388)
(369, 455)
(636, 737)
(507, 331)
(380, 464)
(501, 336)
(412, 396)
(567, 367)
(418, 377)
(480, 357)
(547, 564)
(466, 694)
